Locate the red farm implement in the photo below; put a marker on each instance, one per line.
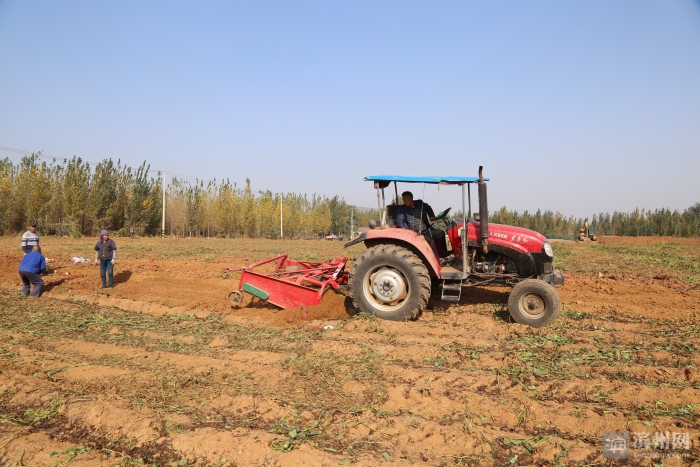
(292, 283)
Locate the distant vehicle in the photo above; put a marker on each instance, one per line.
(586, 233)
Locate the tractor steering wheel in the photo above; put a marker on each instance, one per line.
(442, 214)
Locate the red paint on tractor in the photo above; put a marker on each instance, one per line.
(407, 237)
(515, 238)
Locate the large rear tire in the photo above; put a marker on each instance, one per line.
(389, 282)
(534, 302)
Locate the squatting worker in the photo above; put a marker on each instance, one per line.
(33, 264)
(30, 238)
(416, 215)
(106, 256)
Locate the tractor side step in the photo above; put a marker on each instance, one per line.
(451, 291)
(451, 273)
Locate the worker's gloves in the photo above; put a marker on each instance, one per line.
(114, 261)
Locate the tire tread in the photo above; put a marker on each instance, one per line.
(550, 296)
(406, 256)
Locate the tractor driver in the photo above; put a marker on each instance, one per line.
(416, 215)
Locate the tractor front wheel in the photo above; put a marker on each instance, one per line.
(389, 282)
(534, 302)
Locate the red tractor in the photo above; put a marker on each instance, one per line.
(394, 278)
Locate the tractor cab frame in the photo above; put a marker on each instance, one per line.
(397, 274)
(388, 213)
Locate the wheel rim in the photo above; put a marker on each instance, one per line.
(236, 298)
(385, 288)
(532, 305)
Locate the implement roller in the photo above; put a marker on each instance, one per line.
(292, 284)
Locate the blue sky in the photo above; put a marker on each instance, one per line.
(577, 107)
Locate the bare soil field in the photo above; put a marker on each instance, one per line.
(160, 370)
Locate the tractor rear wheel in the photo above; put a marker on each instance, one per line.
(534, 302)
(389, 282)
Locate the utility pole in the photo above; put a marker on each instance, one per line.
(281, 220)
(162, 229)
(352, 223)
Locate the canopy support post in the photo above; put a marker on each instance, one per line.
(465, 265)
(383, 209)
(469, 193)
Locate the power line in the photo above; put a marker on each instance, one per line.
(19, 151)
(170, 172)
(41, 155)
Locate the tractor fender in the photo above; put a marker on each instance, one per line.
(359, 239)
(402, 237)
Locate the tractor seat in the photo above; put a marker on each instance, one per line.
(391, 212)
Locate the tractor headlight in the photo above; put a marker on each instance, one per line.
(548, 250)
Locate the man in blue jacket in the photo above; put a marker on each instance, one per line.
(416, 215)
(33, 264)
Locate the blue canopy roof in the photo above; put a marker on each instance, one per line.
(424, 179)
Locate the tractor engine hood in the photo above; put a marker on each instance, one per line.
(527, 248)
(515, 238)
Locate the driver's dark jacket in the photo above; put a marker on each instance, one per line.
(405, 218)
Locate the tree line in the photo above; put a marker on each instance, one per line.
(223, 208)
(640, 222)
(69, 197)
(73, 198)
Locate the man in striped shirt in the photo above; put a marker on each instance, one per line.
(30, 238)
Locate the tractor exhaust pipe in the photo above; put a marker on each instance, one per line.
(483, 213)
